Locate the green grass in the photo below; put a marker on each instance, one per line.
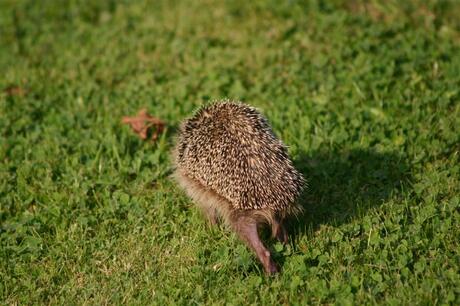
(367, 96)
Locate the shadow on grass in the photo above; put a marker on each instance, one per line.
(343, 185)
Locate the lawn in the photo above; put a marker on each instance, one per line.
(366, 94)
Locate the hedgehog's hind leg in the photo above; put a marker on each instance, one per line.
(279, 230)
(246, 228)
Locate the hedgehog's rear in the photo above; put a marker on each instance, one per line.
(230, 162)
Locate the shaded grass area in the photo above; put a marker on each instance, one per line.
(366, 95)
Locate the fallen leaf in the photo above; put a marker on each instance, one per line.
(144, 125)
(14, 91)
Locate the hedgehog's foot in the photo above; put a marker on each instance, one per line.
(279, 231)
(246, 228)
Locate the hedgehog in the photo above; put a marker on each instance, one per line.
(229, 161)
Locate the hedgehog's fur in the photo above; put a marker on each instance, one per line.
(230, 162)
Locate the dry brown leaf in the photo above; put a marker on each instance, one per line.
(14, 91)
(144, 125)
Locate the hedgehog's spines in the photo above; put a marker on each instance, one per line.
(229, 147)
